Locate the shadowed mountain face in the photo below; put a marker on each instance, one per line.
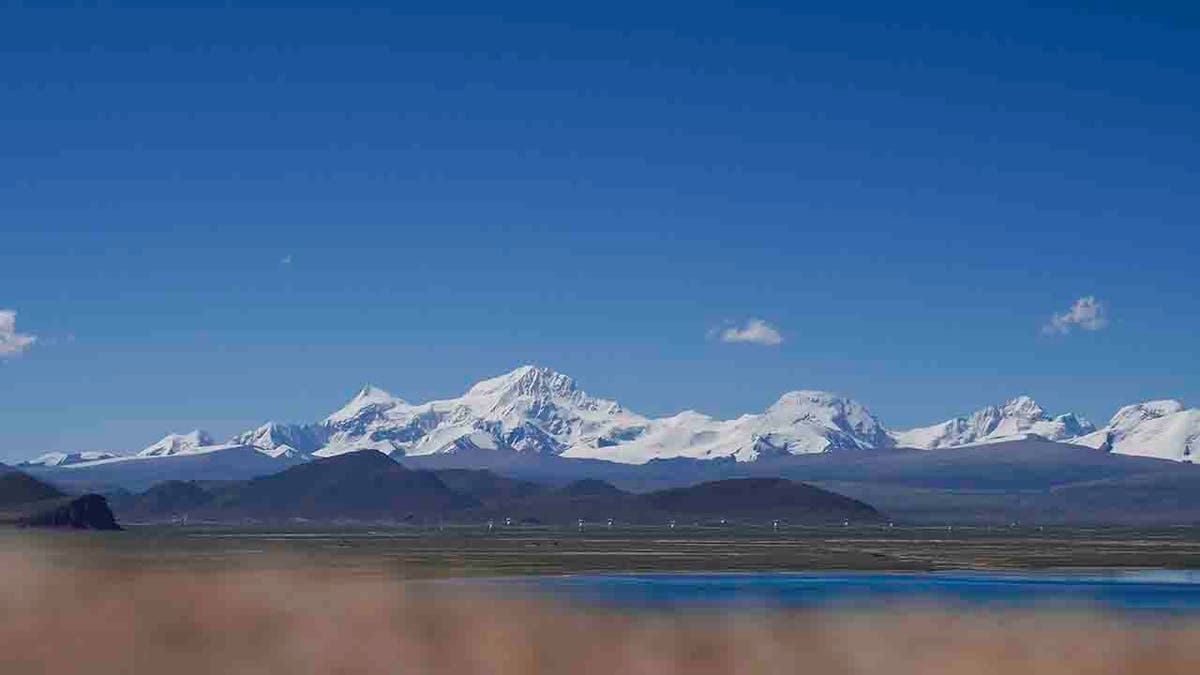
(1026, 480)
(489, 487)
(357, 484)
(1016, 465)
(363, 481)
(28, 502)
(17, 487)
(777, 496)
(369, 485)
(171, 496)
(589, 487)
(746, 499)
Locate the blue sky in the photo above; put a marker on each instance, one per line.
(213, 214)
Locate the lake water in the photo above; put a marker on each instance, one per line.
(1149, 590)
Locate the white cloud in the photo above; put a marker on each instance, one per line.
(1087, 312)
(287, 260)
(756, 331)
(12, 343)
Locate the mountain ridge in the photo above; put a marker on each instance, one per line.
(369, 485)
(1017, 417)
(1164, 429)
(536, 409)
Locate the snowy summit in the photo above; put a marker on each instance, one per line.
(539, 410)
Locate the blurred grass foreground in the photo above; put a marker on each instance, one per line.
(299, 619)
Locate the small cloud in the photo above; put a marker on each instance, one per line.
(287, 260)
(12, 343)
(756, 331)
(1087, 312)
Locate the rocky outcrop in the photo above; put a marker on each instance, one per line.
(89, 512)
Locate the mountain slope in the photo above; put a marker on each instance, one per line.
(284, 440)
(370, 485)
(358, 483)
(67, 458)
(18, 487)
(1014, 419)
(530, 409)
(1163, 429)
(999, 483)
(137, 472)
(800, 422)
(775, 496)
(538, 410)
(1031, 481)
(29, 502)
(178, 444)
(365, 484)
(490, 489)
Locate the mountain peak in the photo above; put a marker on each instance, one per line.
(68, 458)
(175, 444)
(1023, 406)
(823, 405)
(534, 408)
(368, 397)
(1131, 415)
(1164, 428)
(1017, 417)
(276, 439)
(527, 380)
(371, 393)
(809, 397)
(809, 420)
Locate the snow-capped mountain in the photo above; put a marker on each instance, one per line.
(530, 409)
(238, 452)
(200, 442)
(1164, 429)
(538, 410)
(535, 409)
(800, 422)
(1016, 418)
(277, 439)
(178, 444)
(67, 458)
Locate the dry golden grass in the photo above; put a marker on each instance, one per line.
(288, 620)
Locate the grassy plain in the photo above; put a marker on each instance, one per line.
(319, 600)
(409, 551)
